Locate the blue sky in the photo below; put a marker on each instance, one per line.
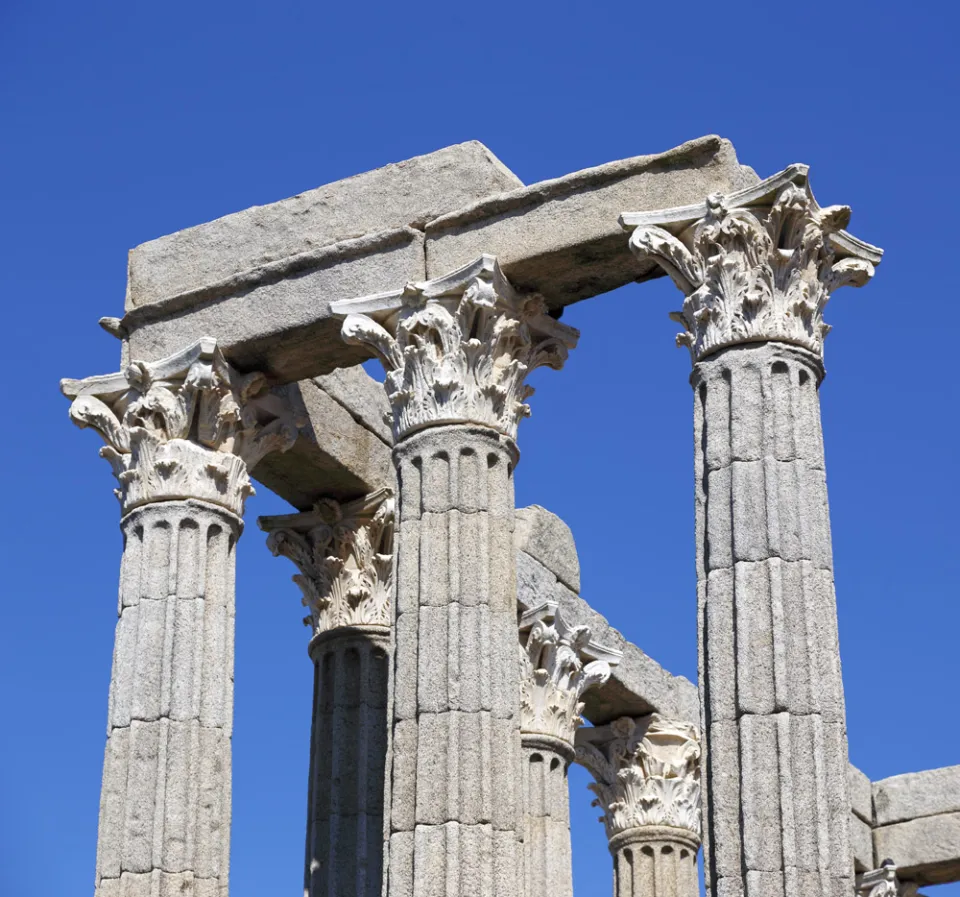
(125, 121)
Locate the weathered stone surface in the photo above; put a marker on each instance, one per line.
(274, 315)
(926, 850)
(861, 844)
(334, 455)
(638, 684)
(362, 396)
(411, 193)
(547, 539)
(860, 793)
(914, 794)
(277, 318)
(558, 237)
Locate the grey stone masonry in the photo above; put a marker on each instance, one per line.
(757, 269)
(181, 435)
(456, 351)
(345, 556)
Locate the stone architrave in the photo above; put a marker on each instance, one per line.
(345, 556)
(560, 662)
(456, 351)
(757, 268)
(647, 781)
(182, 435)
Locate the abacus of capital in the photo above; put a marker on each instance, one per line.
(457, 670)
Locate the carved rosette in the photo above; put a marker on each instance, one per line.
(188, 426)
(756, 265)
(646, 773)
(560, 662)
(458, 349)
(345, 556)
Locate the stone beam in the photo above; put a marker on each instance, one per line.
(341, 451)
(917, 824)
(263, 280)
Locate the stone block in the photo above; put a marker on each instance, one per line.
(546, 538)
(749, 510)
(363, 397)
(718, 552)
(404, 776)
(754, 638)
(406, 635)
(722, 795)
(859, 790)
(915, 794)
(334, 456)
(720, 634)
(926, 850)
(561, 238)
(861, 843)
(760, 781)
(411, 192)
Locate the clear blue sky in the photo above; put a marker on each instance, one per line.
(125, 121)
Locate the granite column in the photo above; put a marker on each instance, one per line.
(181, 435)
(457, 351)
(345, 556)
(560, 663)
(757, 269)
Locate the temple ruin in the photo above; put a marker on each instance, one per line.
(455, 661)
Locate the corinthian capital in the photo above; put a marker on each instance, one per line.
(560, 663)
(458, 349)
(757, 265)
(345, 556)
(188, 426)
(646, 773)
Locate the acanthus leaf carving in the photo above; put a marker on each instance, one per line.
(187, 426)
(458, 349)
(560, 663)
(884, 882)
(646, 773)
(344, 553)
(756, 265)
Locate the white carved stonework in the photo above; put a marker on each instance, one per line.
(646, 773)
(345, 556)
(884, 882)
(458, 349)
(188, 426)
(560, 662)
(756, 265)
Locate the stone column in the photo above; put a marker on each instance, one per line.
(345, 556)
(181, 434)
(456, 351)
(757, 269)
(560, 663)
(647, 782)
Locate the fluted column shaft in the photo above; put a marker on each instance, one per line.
(348, 750)
(455, 821)
(165, 802)
(655, 861)
(548, 861)
(771, 690)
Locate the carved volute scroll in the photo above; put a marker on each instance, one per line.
(458, 349)
(560, 662)
(646, 773)
(757, 265)
(187, 426)
(884, 882)
(345, 556)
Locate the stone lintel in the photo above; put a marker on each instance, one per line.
(268, 301)
(926, 850)
(915, 794)
(338, 453)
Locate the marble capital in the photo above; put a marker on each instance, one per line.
(560, 662)
(189, 426)
(458, 349)
(884, 882)
(646, 773)
(756, 265)
(345, 556)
